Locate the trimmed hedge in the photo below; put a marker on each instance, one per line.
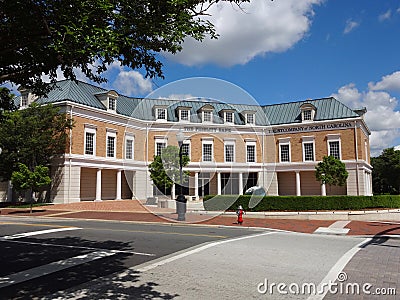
(300, 203)
(21, 204)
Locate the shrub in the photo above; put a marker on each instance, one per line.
(301, 203)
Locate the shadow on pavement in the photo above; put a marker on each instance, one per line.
(16, 212)
(24, 255)
(380, 240)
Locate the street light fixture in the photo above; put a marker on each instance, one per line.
(181, 199)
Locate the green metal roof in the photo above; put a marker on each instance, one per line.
(143, 108)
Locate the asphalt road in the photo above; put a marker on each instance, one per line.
(40, 257)
(67, 259)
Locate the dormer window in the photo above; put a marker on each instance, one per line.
(161, 113)
(184, 115)
(109, 100)
(250, 119)
(307, 115)
(307, 112)
(112, 103)
(206, 113)
(207, 116)
(24, 99)
(228, 117)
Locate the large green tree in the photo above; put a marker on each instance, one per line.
(39, 36)
(331, 171)
(386, 172)
(164, 170)
(6, 101)
(32, 136)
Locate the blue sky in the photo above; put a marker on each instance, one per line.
(289, 50)
(350, 49)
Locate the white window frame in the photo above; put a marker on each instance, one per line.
(206, 112)
(226, 117)
(253, 116)
(334, 138)
(285, 142)
(312, 114)
(255, 152)
(308, 140)
(188, 115)
(158, 110)
(24, 97)
(230, 143)
(90, 129)
(159, 140)
(109, 101)
(207, 142)
(111, 134)
(307, 115)
(131, 139)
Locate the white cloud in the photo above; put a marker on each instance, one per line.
(350, 26)
(260, 27)
(383, 139)
(60, 76)
(131, 83)
(383, 116)
(349, 95)
(389, 82)
(385, 16)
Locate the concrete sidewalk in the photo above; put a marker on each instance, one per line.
(135, 211)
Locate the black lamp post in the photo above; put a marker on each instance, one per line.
(181, 199)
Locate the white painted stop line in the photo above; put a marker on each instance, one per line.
(32, 233)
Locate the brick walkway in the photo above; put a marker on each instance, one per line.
(133, 210)
(377, 264)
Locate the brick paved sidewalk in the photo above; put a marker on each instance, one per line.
(133, 210)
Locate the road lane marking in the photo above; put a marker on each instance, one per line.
(32, 233)
(52, 268)
(79, 247)
(146, 267)
(336, 269)
(34, 224)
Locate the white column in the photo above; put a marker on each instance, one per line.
(98, 185)
(173, 195)
(298, 184)
(218, 183)
(9, 191)
(240, 183)
(196, 185)
(119, 185)
(323, 189)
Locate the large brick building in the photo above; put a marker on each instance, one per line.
(231, 147)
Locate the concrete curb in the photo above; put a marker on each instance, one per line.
(359, 215)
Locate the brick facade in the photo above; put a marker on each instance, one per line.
(95, 177)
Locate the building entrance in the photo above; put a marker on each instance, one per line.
(204, 184)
